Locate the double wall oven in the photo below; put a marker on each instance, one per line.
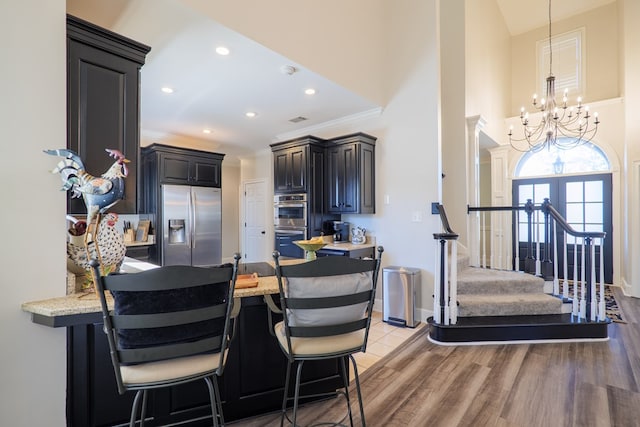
(290, 221)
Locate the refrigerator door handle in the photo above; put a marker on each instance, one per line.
(190, 216)
(194, 227)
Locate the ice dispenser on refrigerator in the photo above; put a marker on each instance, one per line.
(177, 231)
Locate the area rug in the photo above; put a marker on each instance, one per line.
(611, 305)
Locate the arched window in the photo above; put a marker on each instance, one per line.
(585, 158)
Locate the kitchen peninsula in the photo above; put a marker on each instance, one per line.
(253, 379)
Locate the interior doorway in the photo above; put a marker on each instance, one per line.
(255, 247)
(578, 183)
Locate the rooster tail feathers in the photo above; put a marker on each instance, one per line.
(67, 154)
(69, 172)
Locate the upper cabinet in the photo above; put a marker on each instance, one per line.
(293, 161)
(103, 103)
(351, 175)
(290, 170)
(338, 174)
(173, 165)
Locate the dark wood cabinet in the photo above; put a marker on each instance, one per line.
(299, 166)
(103, 99)
(174, 165)
(252, 384)
(338, 175)
(290, 166)
(351, 174)
(367, 252)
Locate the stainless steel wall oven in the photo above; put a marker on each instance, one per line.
(290, 210)
(290, 221)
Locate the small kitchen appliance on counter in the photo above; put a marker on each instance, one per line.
(340, 232)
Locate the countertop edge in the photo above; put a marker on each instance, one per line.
(82, 308)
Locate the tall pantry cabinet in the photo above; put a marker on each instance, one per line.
(103, 103)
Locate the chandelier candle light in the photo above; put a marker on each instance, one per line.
(560, 125)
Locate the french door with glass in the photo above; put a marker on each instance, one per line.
(584, 201)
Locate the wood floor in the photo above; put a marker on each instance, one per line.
(569, 384)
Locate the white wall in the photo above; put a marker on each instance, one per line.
(230, 210)
(631, 64)
(488, 70)
(32, 266)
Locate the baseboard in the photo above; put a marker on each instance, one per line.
(626, 288)
(421, 313)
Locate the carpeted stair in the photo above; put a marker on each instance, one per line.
(486, 292)
(508, 306)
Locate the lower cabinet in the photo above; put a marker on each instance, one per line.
(252, 384)
(367, 252)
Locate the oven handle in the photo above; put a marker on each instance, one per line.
(290, 232)
(290, 205)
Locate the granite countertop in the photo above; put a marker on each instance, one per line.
(84, 303)
(52, 312)
(348, 246)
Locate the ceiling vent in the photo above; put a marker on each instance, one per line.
(298, 119)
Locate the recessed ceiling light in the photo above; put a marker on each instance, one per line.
(310, 91)
(221, 50)
(167, 89)
(206, 131)
(251, 114)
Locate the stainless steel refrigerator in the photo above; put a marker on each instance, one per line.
(192, 219)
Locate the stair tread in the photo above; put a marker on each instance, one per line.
(507, 298)
(474, 280)
(508, 305)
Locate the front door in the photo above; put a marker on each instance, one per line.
(585, 201)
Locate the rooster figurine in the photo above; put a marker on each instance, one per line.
(98, 193)
(110, 245)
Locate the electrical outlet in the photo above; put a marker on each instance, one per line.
(416, 216)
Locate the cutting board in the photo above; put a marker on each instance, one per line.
(246, 281)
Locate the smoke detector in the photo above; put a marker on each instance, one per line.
(288, 70)
(298, 119)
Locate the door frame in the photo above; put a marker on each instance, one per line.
(557, 196)
(265, 252)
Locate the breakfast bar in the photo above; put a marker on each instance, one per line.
(253, 379)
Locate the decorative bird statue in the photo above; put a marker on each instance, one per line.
(98, 193)
(110, 246)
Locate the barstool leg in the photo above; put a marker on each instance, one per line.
(143, 414)
(215, 401)
(345, 381)
(286, 393)
(134, 409)
(357, 378)
(297, 393)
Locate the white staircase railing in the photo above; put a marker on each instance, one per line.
(445, 290)
(583, 282)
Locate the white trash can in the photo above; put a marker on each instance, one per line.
(399, 286)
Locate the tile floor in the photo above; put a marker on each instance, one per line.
(383, 338)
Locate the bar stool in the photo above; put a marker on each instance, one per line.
(326, 306)
(169, 326)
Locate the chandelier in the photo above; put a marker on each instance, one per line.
(560, 125)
